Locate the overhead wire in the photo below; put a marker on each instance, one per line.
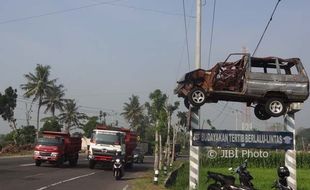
(262, 36)
(110, 3)
(186, 34)
(211, 36)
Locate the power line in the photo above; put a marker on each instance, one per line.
(186, 31)
(211, 37)
(57, 12)
(261, 38)
(90, 6)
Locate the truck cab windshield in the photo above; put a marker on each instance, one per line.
(50, 141)
(107, 139)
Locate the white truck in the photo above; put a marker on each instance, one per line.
(106, 141)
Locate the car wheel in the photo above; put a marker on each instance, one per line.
(260, 112)
(186, 102)
(197, 97)
(275, 107)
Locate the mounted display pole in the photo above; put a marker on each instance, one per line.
(194, 113)
(194, 151)
(290, 155)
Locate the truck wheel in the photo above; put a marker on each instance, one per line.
(260, 112)
(73, 161)
(91, 164)
(197, 97)
(275, 107)
(60, 161)
(38, 162)
(129, 165)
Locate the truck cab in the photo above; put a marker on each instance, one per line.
(106, 142)
(57, 148)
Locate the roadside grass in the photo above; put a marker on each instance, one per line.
(145, 182)
(263, 178)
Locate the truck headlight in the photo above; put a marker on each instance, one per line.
(36, 153)
(54, 154)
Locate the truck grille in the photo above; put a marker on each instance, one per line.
(45, 154)
(103, 152)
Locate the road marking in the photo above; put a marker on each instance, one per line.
(64, 181)
(125, 188)
(24, 165)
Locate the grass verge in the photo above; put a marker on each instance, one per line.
(263, 178)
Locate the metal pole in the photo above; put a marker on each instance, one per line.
(198, 35)
(194, 114)
(290, 155)
(193, 152)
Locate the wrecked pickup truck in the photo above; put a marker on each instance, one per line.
(270, 84)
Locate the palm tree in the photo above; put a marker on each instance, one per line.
(38, 86)
(71, 117)
(54, 100)
(133, 112)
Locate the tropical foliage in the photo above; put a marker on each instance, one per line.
(71, 117)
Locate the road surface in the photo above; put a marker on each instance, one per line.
(21, 173)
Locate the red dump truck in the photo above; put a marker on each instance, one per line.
(57, 148)
(107, 141)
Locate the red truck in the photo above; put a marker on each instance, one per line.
(57, 148)
(107, 141)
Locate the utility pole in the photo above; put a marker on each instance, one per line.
(194, 113)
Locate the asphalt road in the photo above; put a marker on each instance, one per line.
(21, 173)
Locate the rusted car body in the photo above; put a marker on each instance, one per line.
(270, 83)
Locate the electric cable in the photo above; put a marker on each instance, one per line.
(186, 33)
(211, 37)
(261, 38)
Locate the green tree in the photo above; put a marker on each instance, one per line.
(71, 117)
(90, 126)
(51, 124)
(54, 99)
(133, 113)
(170, 109)
(27, 135)
(155, 110)
(7, 106)
(38, 86)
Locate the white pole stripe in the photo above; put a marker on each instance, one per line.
(194, 152)
(290, 155)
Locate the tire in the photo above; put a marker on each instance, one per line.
(91, 164)
(197, 97)
(117, 175)
(60, 162)
(214, 187)
(38, 162)
(260, 112)
(129, 165)
(73, 161)
(275, 107)
(186, 102)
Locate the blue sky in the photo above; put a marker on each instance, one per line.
(104, 53)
